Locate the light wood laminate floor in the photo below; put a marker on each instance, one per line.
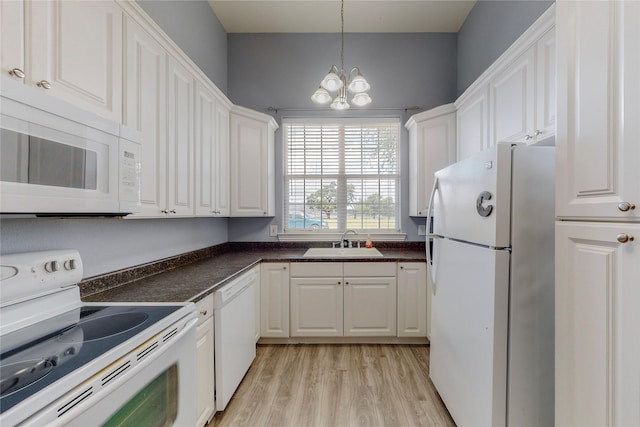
(336, 386)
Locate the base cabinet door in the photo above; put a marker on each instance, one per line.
(316, 307)
(597, 342)
(205, 394)
(369, 306)
(274, 300)
(412, 299)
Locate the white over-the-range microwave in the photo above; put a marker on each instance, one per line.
(57, 159)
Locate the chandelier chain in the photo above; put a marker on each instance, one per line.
(342, 34)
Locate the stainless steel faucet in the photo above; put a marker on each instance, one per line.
(342, 239)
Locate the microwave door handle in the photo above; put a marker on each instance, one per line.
(431, 236)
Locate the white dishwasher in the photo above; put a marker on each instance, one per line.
(235, 342)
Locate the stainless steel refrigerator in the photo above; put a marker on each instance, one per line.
(491, 260)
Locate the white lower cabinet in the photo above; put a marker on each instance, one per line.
(205, 387)
(597, 340)
(412, 299)
(274, 300)
(333, 299)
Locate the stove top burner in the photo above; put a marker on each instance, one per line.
(29, 368)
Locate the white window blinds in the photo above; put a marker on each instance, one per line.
(342, 174)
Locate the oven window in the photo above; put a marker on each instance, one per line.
(32, 160)
(156, 405)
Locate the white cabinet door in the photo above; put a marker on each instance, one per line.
(597, 339)
(12, 39)
(145, 110)
(205, 397)
(412, 299)
(512, 101)
(472, 121)
(274, 300)
(370, 306)
(205, 135)
(598, 110)
(546, 101)
(316, 307)
(180, 143)
(432, 146)
(75, 49)
(221, 201)
(252, 163)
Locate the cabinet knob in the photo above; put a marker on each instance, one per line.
(17, 72)
(346, 283)
(402, 267)
(172, 211)
(203, 312)
(537, 132)
(624, 238)
(339, 283)
(164, 211)
(626, 206)
(284, 268)
(44, 84)
(527, 137)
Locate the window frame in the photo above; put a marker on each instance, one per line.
(394, 234)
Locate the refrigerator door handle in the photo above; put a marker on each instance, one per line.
(431, 236)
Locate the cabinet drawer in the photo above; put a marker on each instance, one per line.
(205, 308)
(316, 269)
(370, 269)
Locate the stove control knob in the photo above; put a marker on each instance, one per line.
(52, 266)
(70, 264)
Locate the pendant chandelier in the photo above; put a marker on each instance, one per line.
(337, 81)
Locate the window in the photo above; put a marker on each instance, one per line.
(342, 174)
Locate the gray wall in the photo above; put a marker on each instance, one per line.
(283, 70)
(194, 27)
(108, 244)
(491, 27)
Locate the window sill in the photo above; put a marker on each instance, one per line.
(311, 236)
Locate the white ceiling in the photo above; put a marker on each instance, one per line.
(323, 16)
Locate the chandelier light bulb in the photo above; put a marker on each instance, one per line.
(340, 103)
(359, 84)
(321, 96)
(331, 81)
(361, 99)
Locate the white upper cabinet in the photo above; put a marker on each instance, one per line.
(145, 110)
(473, 123)
(252, 163)
(180, 142)
(432, 146)
(205, 135)
(71, 49)
(514, 100)
(220, 188)
(598, 151)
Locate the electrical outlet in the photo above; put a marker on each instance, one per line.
(273, 230)
(422, 230)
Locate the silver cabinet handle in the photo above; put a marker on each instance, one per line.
(624, 238)
(164, 211)
(172, 211)
(537, 132)
(527, 137)
(44, 84)
(17, 72)
(626, 206)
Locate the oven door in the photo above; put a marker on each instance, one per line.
(161, 391)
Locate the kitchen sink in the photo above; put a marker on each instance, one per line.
(342, 253)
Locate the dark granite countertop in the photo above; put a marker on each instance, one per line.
(195, 280)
